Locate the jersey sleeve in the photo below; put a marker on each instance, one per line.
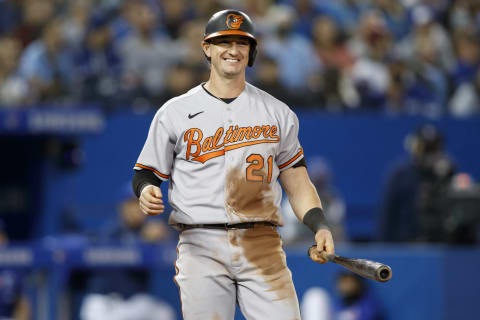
(158, 151)
(290, 151)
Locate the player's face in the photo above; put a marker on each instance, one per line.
(229, 55)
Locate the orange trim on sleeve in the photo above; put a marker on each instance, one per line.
(291, 160)
(151, 169)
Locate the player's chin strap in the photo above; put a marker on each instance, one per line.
(315, 219)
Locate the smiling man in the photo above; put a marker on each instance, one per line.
(223, 146)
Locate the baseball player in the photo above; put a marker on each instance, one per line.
(223, 146)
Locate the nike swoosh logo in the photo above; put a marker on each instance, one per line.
(190, 116)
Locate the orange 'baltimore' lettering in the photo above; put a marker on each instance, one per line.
(228, 135)
(235, 135)
(216, 139)
(190, 136)
(245, 133)
(207, 144)
(265, 131)
(257, 131)
(212, 146)
(273, 132)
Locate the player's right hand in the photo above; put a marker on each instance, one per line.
(150, 201)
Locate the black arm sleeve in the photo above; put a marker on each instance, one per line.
(141, 178)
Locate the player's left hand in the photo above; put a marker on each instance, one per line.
(150, 200)
(325, 246)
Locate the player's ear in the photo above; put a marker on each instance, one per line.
(206, 49)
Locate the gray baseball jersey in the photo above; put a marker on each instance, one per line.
(222, 160)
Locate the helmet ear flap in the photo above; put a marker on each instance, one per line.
(252, 54)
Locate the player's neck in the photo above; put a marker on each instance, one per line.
(222, 87)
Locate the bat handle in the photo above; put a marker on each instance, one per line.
(329, 256)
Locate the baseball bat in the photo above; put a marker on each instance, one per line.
(366, 268)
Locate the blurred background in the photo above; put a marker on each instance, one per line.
(388, 97)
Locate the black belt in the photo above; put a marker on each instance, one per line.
(226, 226)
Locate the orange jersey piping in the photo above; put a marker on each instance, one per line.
(291, 160)
(151, 169)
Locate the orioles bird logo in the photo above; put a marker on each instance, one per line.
(234, 21)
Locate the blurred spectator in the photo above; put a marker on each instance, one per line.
(306, 13)
(268, 79)
(97, 64)
(190, 39)
(371, 27)
(464, 101)
(468, 56)
(123, 18)
(466, 98)
(10, 13)
(123, 293)
(316, 304)
(179, 80)
(146, 55)
(174, 14)
(77, 22)
(332, 203)
(258, 10)
(36, 14)
(427, 28)
(395, 16)
(427, 92)
(349, 13)
(48, 66)
(355, 300)
(205, 9)
(14, 302)
(411, 210)
(370, 74)
(188, 43)
(465, 14)
(293, 53)
(333, 85)
(133, 226)
(401, 78)
(459, 16)
(13, 88)
(329, 43)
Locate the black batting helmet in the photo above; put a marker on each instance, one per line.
(232, 22)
